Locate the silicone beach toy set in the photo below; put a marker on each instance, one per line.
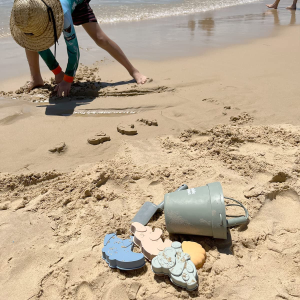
(196, 211)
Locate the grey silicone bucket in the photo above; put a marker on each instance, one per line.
(200, 211)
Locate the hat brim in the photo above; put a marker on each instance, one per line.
(45, 40)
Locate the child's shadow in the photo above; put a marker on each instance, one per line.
(82, 93)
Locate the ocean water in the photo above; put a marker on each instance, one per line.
(116, 11)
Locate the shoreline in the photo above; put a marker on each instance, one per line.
(12, 84)
(111, 14)
(186, 35)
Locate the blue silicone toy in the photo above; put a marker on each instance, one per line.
(118, 253)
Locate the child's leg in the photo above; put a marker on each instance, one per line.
(274, 5)
(293, 6)
(34, 66)
(103, 41)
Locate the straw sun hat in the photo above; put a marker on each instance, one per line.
(36, 24)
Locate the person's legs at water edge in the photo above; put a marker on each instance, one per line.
(293, 6)
(84, 15)
(275, 5)
(103, 41)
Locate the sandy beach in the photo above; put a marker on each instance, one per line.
(230, 114)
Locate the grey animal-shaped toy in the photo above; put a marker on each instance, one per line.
(175, 263)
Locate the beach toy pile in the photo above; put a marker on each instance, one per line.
(196, 211)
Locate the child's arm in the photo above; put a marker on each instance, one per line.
(72, 48)
(50, 61)
(73, 56)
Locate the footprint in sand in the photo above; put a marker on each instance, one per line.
(85, 292)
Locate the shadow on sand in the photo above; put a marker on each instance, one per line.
(82, 93)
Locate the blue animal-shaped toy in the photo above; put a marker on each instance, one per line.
(118, 253)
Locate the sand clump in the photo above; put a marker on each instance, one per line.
(99, 138)
(211, 100)
(127, 129)
(241, 119)
(148, 122)
(61, 147)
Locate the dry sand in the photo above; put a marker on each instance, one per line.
(231, 116)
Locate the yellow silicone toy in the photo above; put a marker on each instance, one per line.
(196, 252)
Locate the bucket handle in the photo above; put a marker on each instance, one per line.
(237, 220)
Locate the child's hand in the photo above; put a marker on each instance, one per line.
(59, 77)
(63, 89)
